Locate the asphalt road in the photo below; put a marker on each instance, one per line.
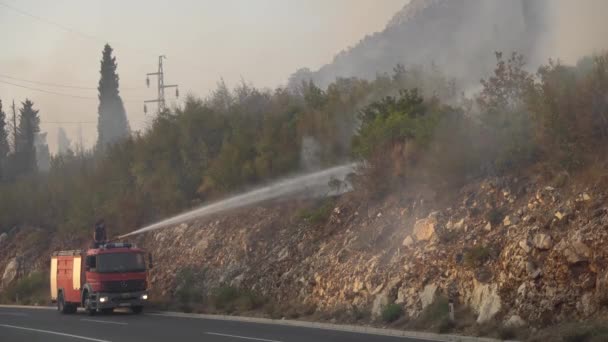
(24, 324)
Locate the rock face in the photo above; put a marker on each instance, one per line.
(413, 253)
(503, 23)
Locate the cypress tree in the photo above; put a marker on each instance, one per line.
(112, 124)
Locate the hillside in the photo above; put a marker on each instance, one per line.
(458, 36)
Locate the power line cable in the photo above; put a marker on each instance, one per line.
(50, 22)
(59, 85)
(48, 91)
(69, 29)
(60, 94)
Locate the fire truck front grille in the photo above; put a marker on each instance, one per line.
(124, 286)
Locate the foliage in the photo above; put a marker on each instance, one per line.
(400, 126)
(319, 213)
(29, 126)
(391, 312)
(495, 216)
(435, 315)
(112, 125)
(4, 146)
(477, 256)
(189, 290)
(28, 290)
(229, 299)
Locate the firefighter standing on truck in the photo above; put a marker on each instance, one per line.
(99, 236)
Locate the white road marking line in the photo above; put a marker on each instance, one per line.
(18, 314)
(106, 322)
(242, 337)
(53, 333)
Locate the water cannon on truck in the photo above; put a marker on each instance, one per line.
(100, 279)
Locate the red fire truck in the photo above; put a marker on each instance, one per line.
(99, 279)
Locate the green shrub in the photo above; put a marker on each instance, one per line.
(319, 213)
(230, 299)
(32, 289)
(495, 216)
(189, 290)
(435, 316)
(585, 333)
(477, 256)
(392, 312)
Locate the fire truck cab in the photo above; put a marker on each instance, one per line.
(99, 279)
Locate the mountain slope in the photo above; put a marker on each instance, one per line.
(458, 36)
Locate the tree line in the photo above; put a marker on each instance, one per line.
(409, 128)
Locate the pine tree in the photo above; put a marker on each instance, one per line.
(29, 127)
(63, 142)
(4, 147)
(112, 124)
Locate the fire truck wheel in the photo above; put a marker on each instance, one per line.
(87, 305)
(107, 311)
(61, 303)
(137, 309)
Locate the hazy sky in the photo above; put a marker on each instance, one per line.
(261, 41)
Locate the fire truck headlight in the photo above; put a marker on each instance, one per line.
(103, 299)
(144, 297)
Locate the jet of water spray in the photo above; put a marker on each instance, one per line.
(312, 183)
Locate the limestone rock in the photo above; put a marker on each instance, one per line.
(379, 303)
(514, 322)
(424, 229)
(427, 296)
(10, 272)
(459, 225)
(523, 244)
(488, 226)
(408, 241)
(542, 241)
(486, 301)
(577, 252)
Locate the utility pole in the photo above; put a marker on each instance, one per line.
(160, 87)
(14, 128)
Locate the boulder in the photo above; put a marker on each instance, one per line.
(424, 229)
(577, 252)
(408, 241)
(10, 272)
(488, 226)
(427, 295)
(523, 244)
(587, 304)
(485, 301)
(379, 303)
(542, 241)
(459, 225)
(514, 322)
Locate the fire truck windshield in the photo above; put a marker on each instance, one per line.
(121, 262)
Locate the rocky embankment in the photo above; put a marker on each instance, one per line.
(513, 250)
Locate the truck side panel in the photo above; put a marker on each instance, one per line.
(53, 278)
(68, 277)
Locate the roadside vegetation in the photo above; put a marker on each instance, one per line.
(29, 290)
